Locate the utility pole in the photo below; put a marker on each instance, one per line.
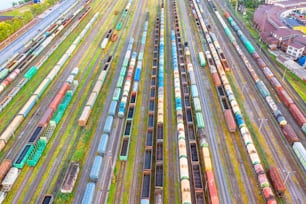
(236, 7)
(287, 176)
(284, 73)
(262, 120)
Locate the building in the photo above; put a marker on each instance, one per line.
(273, 1)
(5, 18)
(295, 50)
(278, 26)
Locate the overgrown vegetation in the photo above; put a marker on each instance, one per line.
(247, 3)
(22, 17)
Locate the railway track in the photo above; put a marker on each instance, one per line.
(271, 63)
(26, 67)
(205, 96)
(246, 179)
(170, 138)
(57, 140)
(150, 142)
(260, 110)
(120, 183)
(197, 187)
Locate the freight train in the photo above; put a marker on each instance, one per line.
(183, 158)
(159, 168)
(88, 196)
(94, 93)
(147, 178)
(111, 34)
(19, 63)
(191, 113)
(133, 96)
(33, 70)
(224, 101)
(212, 187)
(127, 85)
(285, 127)
(245, 134)
(20, 116)
(280, 90)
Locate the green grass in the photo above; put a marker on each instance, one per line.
(130, 163)
(63, 138)
(81, 150)
(229, 143)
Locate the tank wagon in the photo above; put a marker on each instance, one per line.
(244, 132)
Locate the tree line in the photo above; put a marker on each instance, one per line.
(10, 26)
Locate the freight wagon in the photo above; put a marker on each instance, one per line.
(4, 168)
(202, 59)
(277, 181)
(102, 144)
(47, 199)
(10, 179)
(300, 153)
(95, 169)
(70, 178)
(89, 194)
(108, 124)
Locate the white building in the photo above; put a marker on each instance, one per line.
(295, 50)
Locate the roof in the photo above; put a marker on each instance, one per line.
(301, 40)
(5, 18)
(296, 45)
(291, 3)
(282, 32)
(267, 16)
(291, 22)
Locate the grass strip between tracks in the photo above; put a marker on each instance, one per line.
(229, 143)
(29, 88)
(47, 150)
(83, 145)
(25, 93)
(86, 59)
(133, 141)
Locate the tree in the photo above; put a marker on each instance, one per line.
(27, 16)
(14, 4)
(16, 23)
(5, 30)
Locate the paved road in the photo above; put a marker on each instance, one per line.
(46, 19)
